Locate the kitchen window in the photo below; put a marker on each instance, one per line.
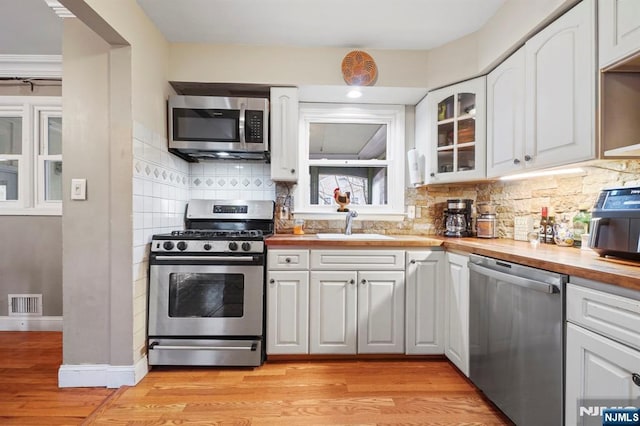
(356, 148)
(30, 155)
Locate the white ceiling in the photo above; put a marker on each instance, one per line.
(31, 27)
(374, 24)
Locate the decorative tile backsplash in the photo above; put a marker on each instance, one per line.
(160, 186)
(231, 180)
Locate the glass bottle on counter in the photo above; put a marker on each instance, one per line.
(543, 226)
(580, 226)
(549, 234)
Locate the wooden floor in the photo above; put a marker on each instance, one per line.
(279, 393)
(29, 393)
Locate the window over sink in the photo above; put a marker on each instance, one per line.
(356, 148)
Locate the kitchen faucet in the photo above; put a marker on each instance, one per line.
(347, 226)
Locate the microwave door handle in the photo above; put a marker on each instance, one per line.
(242, 123)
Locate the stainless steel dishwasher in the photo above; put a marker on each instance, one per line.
(516, 339)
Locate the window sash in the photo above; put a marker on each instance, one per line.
(391, 115)
(43, 183)
(35, 112)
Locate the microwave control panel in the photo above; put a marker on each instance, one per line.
(254, 126)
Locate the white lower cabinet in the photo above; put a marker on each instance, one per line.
(456, 336)
(356, 312)
(288, 312)
(597, 369)
(287, 329)
(356, 303)
(333, 313)
(600, 369)
(425, 302)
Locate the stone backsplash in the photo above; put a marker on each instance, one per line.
(563, 194)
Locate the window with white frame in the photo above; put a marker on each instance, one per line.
(357, 149)
(30, 155)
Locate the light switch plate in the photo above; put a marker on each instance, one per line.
(78, 189)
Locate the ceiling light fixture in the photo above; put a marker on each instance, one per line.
(354, 94)
(543, 173)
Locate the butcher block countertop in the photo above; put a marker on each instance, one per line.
(312, 241)
(566, 260)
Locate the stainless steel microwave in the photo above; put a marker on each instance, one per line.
(213, 127)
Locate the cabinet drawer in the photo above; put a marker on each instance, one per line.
(614, 316)
(357, 259)
(287, 259)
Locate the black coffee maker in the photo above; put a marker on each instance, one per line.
(457, 218)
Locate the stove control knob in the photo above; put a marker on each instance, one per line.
(167, 245)
(207, 246)
(182, 246)
(246, 246)
(233, 246)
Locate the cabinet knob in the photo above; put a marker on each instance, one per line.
(516, 161)
(432, 174)
(528, 158)
(272, 281)
(352, 281)
(293, 171)
(636, 378)
(363, 282)
(413, 261)
(287, 260)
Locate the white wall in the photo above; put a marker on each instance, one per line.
(85, 224)
(288, 65)
(108, 86)
(467, 57)
(478, 53)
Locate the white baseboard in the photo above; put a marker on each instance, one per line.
(101, 375)
(30, 323)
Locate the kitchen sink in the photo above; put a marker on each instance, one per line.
(353, 237)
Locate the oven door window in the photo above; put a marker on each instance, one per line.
(206, 295)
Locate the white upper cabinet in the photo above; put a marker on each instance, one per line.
(619, 30)
(284, 134)
(456, 120)
(505, 117)
(560, 85)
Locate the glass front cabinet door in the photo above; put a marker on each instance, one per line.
(456, 136)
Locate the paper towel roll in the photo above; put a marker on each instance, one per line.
(414, 167)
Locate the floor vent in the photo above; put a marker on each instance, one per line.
(25, 305)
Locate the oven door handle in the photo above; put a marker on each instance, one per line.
(156, 346)
(209, 258)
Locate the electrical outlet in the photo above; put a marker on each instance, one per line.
(411, 212)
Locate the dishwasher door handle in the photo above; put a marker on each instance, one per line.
(514, 279)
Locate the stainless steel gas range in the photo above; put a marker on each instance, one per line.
(207, 286)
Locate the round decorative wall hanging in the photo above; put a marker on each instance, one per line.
(359, 69)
